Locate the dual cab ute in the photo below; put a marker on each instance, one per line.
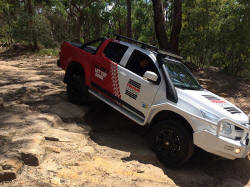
(155, 89)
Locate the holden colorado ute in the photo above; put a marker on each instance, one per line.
(154, 88)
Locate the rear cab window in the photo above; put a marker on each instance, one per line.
(115, 51)
(93, 46)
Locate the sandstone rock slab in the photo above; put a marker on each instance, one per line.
(9, 168)
(32, 153)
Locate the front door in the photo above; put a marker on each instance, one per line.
(137, 93)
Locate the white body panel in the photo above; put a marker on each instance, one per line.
(136, 91)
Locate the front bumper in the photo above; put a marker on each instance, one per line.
(222, 146)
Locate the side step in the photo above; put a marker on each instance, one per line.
(125, 112)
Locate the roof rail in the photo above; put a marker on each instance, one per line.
(143, 45)
(169, 54)
(147, 46)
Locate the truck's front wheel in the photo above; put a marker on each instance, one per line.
(77, 90)
(172, 142)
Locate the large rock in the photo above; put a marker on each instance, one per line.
(46, 120)
(9, 168)
(32, 153)
(15, 107)
(65, 136)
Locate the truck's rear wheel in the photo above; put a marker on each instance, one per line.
(77, 90)
(172, 142)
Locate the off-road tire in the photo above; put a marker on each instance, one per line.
(77, 90)
(172, 142)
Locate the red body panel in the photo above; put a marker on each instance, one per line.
(98, 68)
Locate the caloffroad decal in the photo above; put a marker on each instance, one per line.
(100, 72)
(133, 89)
(222, 103)
(213, 99)
(115, 80)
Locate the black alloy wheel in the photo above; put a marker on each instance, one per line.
(77, 90)
(172, 142)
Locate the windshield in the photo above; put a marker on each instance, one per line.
(181, 76)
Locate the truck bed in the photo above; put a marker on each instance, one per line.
(87, 48)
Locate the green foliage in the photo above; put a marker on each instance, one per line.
(48, 52)
(143, 25)
(217, 33)
(214, 32)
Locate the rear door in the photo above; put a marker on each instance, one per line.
(104, 76)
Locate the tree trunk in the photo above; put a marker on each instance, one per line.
(176, 28)
(79, 26)
(119, 18)
(32, 27)
(129, 24)
(159, 21)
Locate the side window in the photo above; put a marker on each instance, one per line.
(139, 63)
(115, 51)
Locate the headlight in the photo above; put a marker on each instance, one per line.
(226, 130)
(230, 131)
(209, 116)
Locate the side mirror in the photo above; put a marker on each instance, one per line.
(150, 76)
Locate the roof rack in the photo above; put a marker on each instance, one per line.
(147, 46)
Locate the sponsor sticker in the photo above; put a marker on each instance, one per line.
(133, 89)
(100, 72)
(144, 105)
(216, 100)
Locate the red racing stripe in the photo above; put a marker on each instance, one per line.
(115, 80)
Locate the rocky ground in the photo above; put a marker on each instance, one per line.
(47, 141)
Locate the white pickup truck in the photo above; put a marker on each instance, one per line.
(155, 89)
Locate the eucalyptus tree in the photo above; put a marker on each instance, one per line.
(162, 10)
(129, 23)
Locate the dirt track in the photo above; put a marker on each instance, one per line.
(91, 145)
